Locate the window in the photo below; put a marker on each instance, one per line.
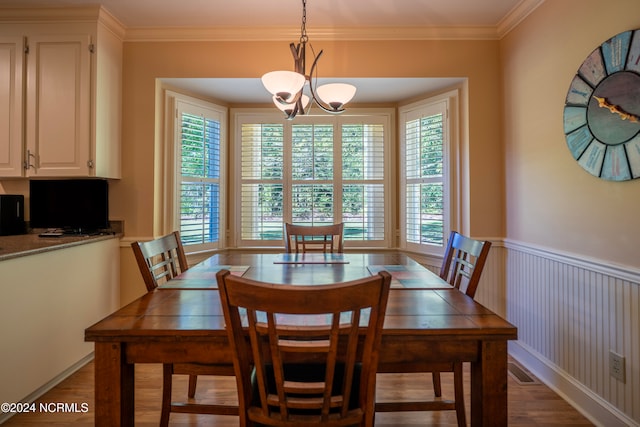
(314, 170)
(261, 188)
(425, 176)
(198, 204)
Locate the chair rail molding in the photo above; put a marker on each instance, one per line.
(618, 271)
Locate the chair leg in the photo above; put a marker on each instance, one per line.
(458, 391)
(193, 381)
(437, 387)
(167, 373)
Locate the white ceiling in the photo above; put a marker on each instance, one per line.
(320, 13)
(325, 16)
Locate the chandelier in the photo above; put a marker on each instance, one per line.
(287, 86)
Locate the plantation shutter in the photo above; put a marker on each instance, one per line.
(261, 186)
(363, 189)
(199, 179)
(425, 179)
(313, 171)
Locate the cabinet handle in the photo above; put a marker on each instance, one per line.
(27, 163)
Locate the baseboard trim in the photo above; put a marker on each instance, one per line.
(51, 384)
(593, 407)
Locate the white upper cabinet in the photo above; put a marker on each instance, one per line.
(11, 106)
(66, 94)
(58, 131)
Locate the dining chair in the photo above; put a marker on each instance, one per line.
(316, 238)
(294, 349)
(462, 266)
(159, 261)
(463, 262)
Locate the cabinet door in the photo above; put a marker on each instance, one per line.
(11, 102)
(58, 105)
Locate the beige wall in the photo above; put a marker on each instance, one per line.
(145, 62)
(550, 200)
(133, 199)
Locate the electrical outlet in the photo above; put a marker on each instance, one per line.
(616, 366)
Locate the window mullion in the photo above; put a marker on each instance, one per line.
(287, 172)
(338, 183)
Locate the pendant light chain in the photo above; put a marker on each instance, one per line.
(303, 30)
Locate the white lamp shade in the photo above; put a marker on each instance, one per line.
(336, 94)
(289, 107)
(283, 83)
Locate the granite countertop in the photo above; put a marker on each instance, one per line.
(31, 244)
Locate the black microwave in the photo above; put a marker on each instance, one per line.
(12, 214)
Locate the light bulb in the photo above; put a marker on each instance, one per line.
(288, 108)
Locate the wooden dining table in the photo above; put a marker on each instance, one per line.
(182, 321)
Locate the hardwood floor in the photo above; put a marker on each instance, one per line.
(529, 404)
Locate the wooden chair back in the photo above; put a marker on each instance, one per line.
(161, 259)
(316, 238)
(463, 262)
(302, 363)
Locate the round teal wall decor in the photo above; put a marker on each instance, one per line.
(602, 110)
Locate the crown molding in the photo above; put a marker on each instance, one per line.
(293, 33)
(19, 15)
(85, 14)
(516, 16)
(508, 23)
(112, 23)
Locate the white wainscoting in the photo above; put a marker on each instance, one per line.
(570, 313)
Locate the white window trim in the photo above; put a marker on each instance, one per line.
(262, 115)
(452, 218)
(171, 165)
